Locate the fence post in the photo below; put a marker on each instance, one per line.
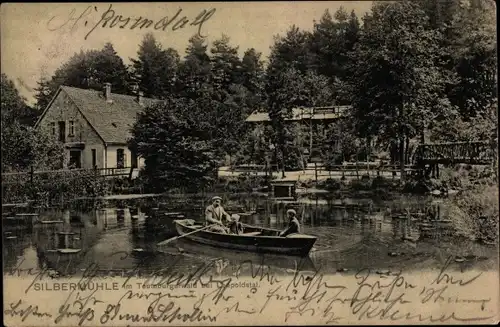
(316, 172)
(131, 173)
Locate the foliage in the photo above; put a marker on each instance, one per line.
(456, 128)
(331, 41)
(155, 69)
(228, 96)
(88, 70)
(176, 148)
(253, 79)
(475, 213)
(43, 94)
(288, 90)
(49, 187)
(398, 81)
(23, 146)
(194, 70)
(13, 105)
(475, 58)
(341, 144)
(254, 147)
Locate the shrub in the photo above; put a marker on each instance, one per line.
(361, 185)
(332, 184)
(380, 182)
(475, 212)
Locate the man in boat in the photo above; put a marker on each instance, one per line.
(293, 223)
(218, 217)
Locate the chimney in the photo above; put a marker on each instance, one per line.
(140, 94)
(107, 92)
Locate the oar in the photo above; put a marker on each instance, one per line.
(181, 236)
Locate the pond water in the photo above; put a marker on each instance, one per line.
(410, 233)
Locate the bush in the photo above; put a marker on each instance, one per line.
(475, 213)
(332, 184)
(361, 185)
(381, 182)
(48, 187)
(245, 182)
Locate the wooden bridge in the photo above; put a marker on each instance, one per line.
(472, 153)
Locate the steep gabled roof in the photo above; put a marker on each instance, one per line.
(112, 121)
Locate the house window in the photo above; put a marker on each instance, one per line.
(75, 159)
(62, 131)
(134, 159)
(120, 158)
(94, 158)
(53, 128)
(71, 128)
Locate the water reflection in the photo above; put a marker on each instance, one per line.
(123, 235)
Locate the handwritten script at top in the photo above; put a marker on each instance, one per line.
(170, 296)
(112, 19)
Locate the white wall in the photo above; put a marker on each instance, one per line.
(111, 156)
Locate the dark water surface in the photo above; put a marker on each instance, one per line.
(123, 235)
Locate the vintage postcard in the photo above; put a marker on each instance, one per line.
(249, 163)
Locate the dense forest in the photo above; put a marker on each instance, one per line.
(409, 69)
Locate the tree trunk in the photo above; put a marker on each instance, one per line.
(283, 153)
(407, 150)
(422, 136)
(402, 158)
(310, 138)
(402, 143)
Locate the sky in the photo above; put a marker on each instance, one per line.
(37, 38)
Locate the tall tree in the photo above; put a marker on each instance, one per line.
(176, 148)
(226, 65)
(14, 107)
(107, 66)
(88, 70)
(398, 81)
(228, 89)
(331, 41)
(195, 69)
(253, 75)
(291, 89)
(22, 145)
(291, 51)
(43, 93)
(475, 58)
(155, 69)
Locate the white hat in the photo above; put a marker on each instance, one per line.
(235, 216)
(291, 211)
(216, 198)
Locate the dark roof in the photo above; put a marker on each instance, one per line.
(112, 120)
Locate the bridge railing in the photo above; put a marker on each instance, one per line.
(477, 152)
(27, 176)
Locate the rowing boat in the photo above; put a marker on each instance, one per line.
(244, 260)
(253, 239)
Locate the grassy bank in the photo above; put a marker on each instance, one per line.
(474, 213)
